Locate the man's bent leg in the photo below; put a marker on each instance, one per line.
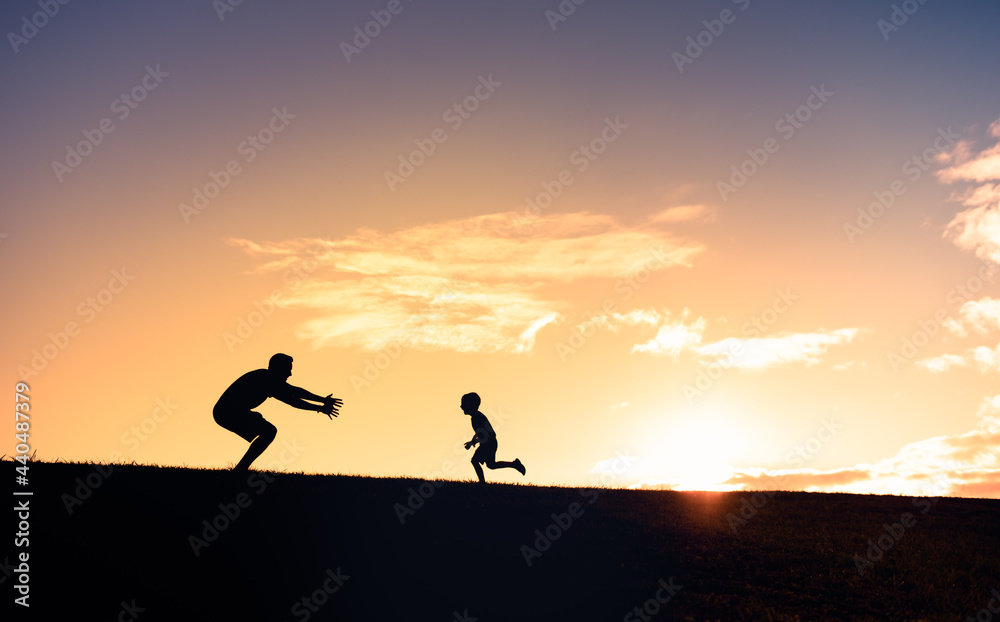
(257, 447)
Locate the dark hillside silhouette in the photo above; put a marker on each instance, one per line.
(171, 539)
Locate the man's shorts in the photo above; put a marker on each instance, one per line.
(486, 452)
(249, 425)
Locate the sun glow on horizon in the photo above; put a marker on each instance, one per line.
(693, 452)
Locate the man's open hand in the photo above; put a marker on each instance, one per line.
(331, 406)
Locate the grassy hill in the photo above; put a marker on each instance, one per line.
(149, 543)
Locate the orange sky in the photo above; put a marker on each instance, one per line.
(631, 264)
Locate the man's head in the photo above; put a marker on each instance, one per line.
(281, 365)
(470, 403)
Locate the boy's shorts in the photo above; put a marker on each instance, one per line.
(249, 425)
(486, 452)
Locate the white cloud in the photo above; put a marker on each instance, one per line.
(672, 337)
(764, 352)
(982, 316)
(943, 363)
(685, 213)
(976, 229)
(987, 194)
(960, 465)
(981, 357)
(674, 332)
(981, 167)
(989, 414)
(473, 285)
(849, 364)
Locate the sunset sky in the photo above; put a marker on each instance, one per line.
(696, 245)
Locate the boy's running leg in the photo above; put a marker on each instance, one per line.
(479, 471)
(507, 465)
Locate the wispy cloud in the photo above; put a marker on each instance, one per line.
(970, 166)
(981, 316)
(673, 336)
(674, 332)
(765, 352)
(983, 358)
(966, 465)
(685, 213)
(477, 284)
(975, 318)
(976, 229)
(941, 364)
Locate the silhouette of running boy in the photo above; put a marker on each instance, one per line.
(486, 438)
(234, 410)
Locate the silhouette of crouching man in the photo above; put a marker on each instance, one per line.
(234, 410)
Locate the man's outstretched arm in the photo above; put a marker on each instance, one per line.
(297, 397)
(300, 403)
(302, 394)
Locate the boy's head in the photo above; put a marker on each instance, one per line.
(470, 403)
